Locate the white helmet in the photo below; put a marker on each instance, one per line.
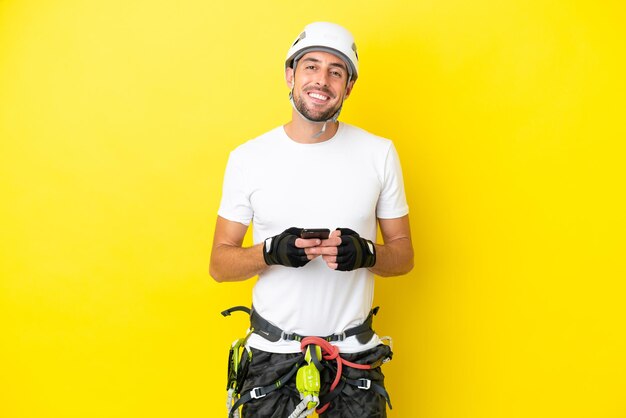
(326, 37)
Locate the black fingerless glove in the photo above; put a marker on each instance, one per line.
(281, 249)
(354, 252)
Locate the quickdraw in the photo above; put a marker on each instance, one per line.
(239, 358)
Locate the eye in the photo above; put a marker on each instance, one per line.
(336, 74)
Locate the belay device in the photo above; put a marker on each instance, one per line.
(308, 383)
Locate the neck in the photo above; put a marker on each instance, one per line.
(306, 132)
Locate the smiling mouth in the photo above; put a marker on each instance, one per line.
(318, 96)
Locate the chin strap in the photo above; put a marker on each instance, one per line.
(321, 132)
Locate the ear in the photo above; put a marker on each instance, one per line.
(289, 77)
(349, 88)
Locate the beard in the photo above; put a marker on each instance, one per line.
(314, 115)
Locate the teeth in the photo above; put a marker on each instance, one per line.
(318, 96)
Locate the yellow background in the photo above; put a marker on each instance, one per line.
(116, 119)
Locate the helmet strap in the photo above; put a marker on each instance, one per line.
(332, 119)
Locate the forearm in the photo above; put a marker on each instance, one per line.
(394, 258)
(230, 263)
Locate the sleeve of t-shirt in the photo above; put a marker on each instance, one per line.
(392, 200)
(235, 204)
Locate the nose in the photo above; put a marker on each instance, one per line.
(322, 78)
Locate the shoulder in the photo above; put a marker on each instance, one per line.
(365, 138)
(259, 145)
(362, 135)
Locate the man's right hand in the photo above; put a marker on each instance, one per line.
(287, 248)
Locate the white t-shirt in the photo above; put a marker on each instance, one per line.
(347, 181)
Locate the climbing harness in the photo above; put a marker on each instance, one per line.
(272, 333)
(306, 370)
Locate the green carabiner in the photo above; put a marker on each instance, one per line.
(238, 360)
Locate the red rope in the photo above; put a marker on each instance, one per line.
(331, 352)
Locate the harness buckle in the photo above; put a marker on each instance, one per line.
(336, 337)
(257, 393)
(364, 384)
(290, 337)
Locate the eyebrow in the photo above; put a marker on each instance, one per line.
(332, 64)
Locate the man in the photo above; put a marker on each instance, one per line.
(314, 172)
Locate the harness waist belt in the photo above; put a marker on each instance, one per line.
(271, 332)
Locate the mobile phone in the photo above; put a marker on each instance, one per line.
(321, 233)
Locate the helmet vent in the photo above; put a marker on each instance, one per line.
(354, 49)
(301, 37)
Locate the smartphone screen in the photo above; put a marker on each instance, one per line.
(321, 233)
